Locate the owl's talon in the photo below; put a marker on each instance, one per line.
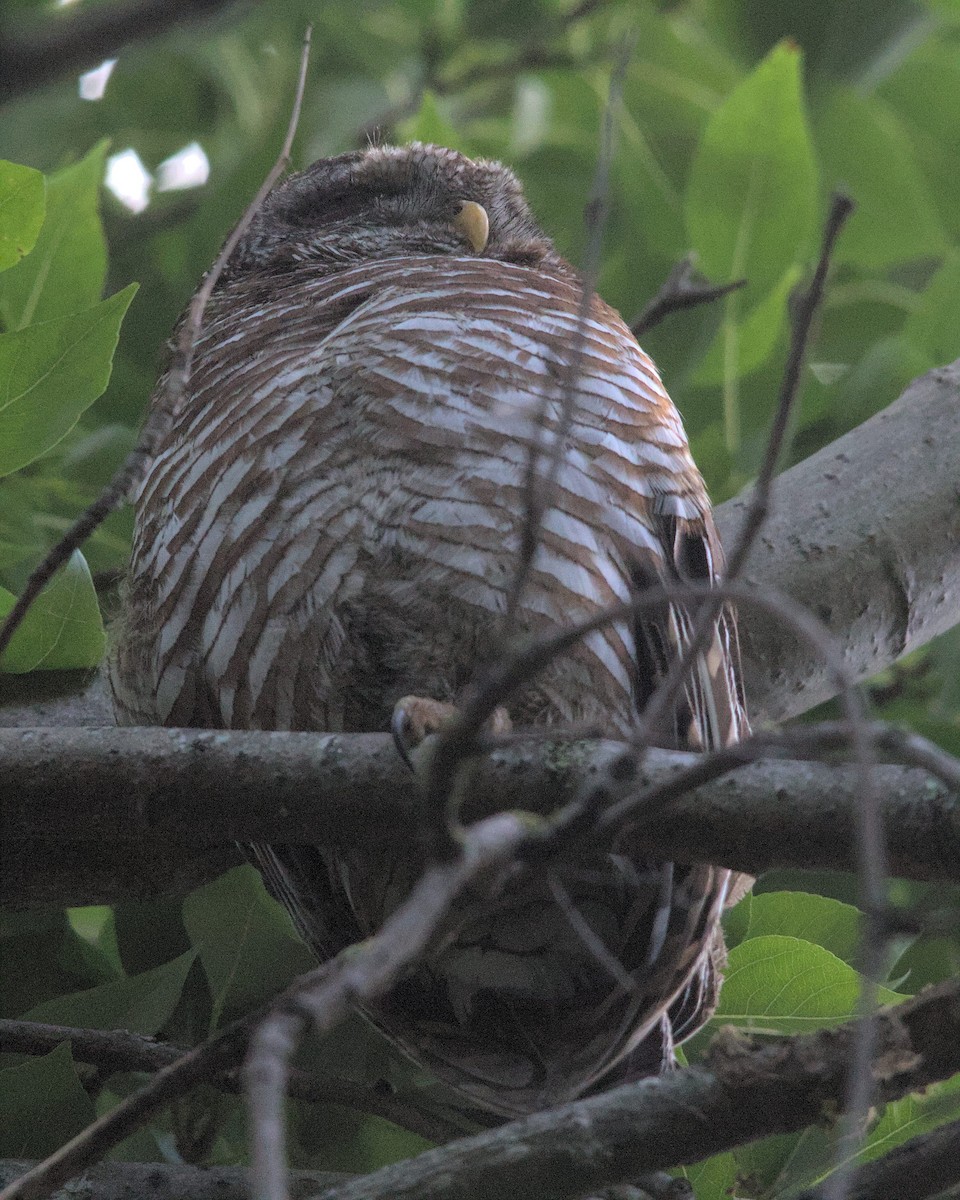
(400, 728)
(416, 717)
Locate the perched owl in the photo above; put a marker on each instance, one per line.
(333, 527)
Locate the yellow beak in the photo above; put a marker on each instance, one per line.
(474, 224)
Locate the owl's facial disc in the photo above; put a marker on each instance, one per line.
(474, 224)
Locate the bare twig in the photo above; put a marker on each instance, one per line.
(460, 739)
(360, 974)
(165, 411)
(203, 1063)
(807, 307)
(117, 1050)
(749, 1088)
(670, 686)
(540, 484)
(683, 288)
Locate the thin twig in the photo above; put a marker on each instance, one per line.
(363, 973)
(164, 412)
(808, 306)
(683, 288)
(588, 935)
(461, 737)
(90, 1145)
(117, 1050)
(675, 678)
(539, 488)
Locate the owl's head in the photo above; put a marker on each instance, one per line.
(390, 200)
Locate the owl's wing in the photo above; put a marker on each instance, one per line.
(711, 713)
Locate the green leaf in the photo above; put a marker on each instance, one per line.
(22, 206)
(751, 197)
(911, 1116)
(928, 960)
(713, 1179)
(757, 335)
(42, 1105)
(787, 985)
(246, 942)
(63, 629)
(68, 264)
(775, 1165)
(95, 928)
(925, 95)
(828, 923)
(865, 150)
(50, 373)
(430, 125)
(794, 1163)
(142, 1003)
(933, 327)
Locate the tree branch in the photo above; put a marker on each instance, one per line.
(132, 795)
(69, 42)
(865, 534)
(924, 1166)
(750, 1087)
(168, 1181)
(683, 288)
(118, 1050)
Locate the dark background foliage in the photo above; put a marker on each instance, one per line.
(736, 120)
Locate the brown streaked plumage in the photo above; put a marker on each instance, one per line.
(334, 524)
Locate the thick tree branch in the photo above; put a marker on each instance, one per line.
(133, 794)
(866, 534)
(749, 1088)
(68, 42)
(166, 1181)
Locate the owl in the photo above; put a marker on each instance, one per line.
(328, 538)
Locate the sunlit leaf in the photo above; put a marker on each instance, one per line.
(913, 1115)
(865, 151)
(714, 1178)
(826, 922)
(758, 333)
(934, 326)
(787, 985)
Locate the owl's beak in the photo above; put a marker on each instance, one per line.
(473, 223)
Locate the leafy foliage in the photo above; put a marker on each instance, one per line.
(737, 118)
